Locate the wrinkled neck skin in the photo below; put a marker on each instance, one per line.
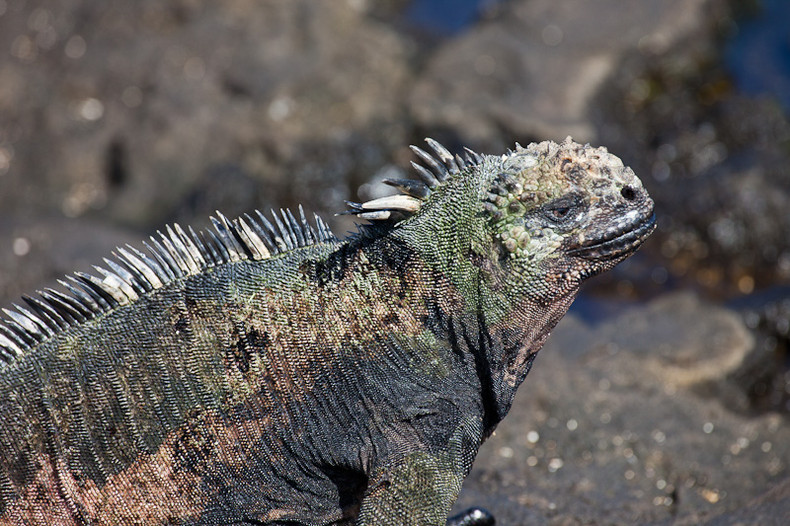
(517, 318)
(510, 307)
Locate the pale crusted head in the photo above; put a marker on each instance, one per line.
(567, 211)
(569, 202)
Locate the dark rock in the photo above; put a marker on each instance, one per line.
(105, 105)
(609, 433)
(771, 508)
(714, 160)
(37, 251)
(533, 70)
(765, 375)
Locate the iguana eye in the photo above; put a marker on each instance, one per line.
(563, 210)
(558, 214)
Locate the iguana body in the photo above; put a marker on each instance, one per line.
(274, 374)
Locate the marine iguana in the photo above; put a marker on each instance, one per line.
(266, 372)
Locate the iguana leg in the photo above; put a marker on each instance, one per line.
(421, 488)
(472, 517)
(418, 492)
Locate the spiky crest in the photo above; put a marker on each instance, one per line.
(439, 168)
(132, 273)
(177, 253)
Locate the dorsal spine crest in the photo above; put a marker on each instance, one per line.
(439, 168)
(131, 273)
(176, 254)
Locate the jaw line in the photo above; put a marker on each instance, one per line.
(623, 242)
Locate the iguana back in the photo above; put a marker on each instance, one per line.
(266, 372)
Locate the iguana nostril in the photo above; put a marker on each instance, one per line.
(628, 193)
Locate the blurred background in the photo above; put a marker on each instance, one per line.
(664, 397)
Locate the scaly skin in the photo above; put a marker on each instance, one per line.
(333, 383)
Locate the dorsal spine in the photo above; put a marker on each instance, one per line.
(132, 273)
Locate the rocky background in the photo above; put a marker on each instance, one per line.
(664, 397)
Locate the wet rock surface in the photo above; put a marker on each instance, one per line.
(115, 118)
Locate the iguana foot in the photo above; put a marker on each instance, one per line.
(472, 517)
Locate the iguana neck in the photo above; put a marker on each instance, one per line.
(512, 314)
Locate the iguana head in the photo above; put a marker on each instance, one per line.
(515, 235)
(549, 214)
(568, 207)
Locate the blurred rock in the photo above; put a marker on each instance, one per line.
(599, 435)
(121, 107)
(765, 375)
(534, 69)
(771, 508)
(714, 161)
(37, 251)
(648, 83)
(673, 345)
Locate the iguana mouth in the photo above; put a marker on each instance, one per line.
(620, 241)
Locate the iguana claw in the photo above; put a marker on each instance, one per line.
(472, 517)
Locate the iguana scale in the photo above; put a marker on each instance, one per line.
(266, 372)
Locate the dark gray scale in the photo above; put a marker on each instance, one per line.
(166, 261)
(325, 233)
(295, 228)
(426, 175)
(263, 232)
(178, 251)
(86, 300)
(157, 274)
(210, 255)
(255, 249)
(278, 243)
(445, 156)
(472, 158)
(191, 254)
(306, 228)
(69, 308)
(24, 336)
(30, 321)
(222, 251)
(140, 274)
(285, 234)
(226, 237)
(438, 169)
(115, 286)
(10, 344)
(129, 273)
(93, 286)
